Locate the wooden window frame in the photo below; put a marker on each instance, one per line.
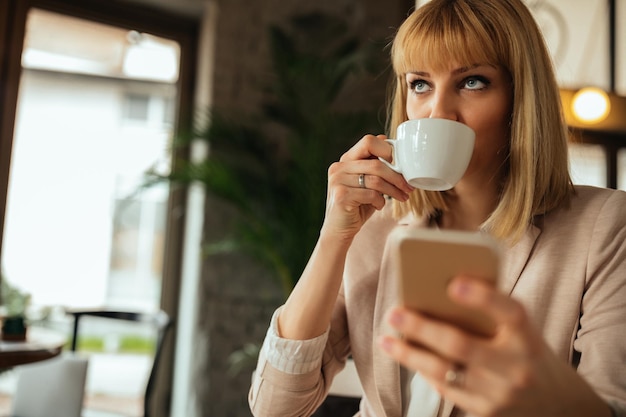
(182, 29)
(611, 142)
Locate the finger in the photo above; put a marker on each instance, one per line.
(365, 154)
(381, 186)
(387, 180)
(427, 363)
(475, 389)
(501, 357)
(515, 341)
(471, 401)
(443, 338)
(369, 147)
(350, 198)
(480, 393)
(436, 369)
(374, 178)
(480, 295)
(371, 197)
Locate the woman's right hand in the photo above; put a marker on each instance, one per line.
(349, 205)
(308, 310)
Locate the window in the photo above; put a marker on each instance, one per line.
(136, 107)
(84, 137)
(596, 157)
(60, 189)
(588, 164)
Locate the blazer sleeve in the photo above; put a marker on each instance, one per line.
(294, 378)
(601, 338)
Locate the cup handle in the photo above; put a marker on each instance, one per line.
(396, 168)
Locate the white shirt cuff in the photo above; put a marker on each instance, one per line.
(293, 356)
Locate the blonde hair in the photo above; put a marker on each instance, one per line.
(502, 33)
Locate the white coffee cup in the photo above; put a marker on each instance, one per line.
(432, 154)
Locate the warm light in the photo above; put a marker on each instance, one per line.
(591, 105)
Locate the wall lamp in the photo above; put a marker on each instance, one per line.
(591, 105)
(592, 108)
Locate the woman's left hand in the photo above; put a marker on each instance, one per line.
(512, 373)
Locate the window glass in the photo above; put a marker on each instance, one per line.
(588, 164)
(136, 107)
(93, 115)
(95, 110)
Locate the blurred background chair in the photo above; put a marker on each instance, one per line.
(51, 388)
(344, 396)
(160, 321)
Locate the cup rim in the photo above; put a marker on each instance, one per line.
(440, 120)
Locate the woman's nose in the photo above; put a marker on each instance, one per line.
(443, 106)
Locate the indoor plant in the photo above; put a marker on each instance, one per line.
(271, 166)
(14, 303)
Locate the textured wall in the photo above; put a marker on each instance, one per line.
(237, 296)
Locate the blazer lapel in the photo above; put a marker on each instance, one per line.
(386, 370)
(514, 259)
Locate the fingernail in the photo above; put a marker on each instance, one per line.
(396, 318)
(385, 343)
(461, 288)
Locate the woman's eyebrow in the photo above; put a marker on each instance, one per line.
(420, 73)
(466, 69)
(456, 71)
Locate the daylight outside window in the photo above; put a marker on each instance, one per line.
(588, 164)
(95, 111)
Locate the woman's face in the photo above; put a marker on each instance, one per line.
(479, 96)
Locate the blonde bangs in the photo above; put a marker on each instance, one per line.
(436, 38)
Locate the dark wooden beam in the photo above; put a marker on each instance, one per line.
(612, 44)
(12, 27)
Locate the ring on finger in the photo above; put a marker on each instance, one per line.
(362, 181)
(455, 376)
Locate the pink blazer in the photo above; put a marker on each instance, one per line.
(569, 271)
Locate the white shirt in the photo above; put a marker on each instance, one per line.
(303, 356)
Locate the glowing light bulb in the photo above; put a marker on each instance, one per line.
(591, 105)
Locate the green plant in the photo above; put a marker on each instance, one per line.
(13, 305)
(272, 166)
(13, 301)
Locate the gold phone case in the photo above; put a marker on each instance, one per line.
(429, 258)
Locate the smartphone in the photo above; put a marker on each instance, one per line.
(428, 259)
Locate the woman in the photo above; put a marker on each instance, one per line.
(559, 347)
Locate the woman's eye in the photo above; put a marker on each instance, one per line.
(475, 83)
(419, 86)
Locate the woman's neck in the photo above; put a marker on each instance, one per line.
(469, 205)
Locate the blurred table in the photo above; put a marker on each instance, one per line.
(40, 344)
